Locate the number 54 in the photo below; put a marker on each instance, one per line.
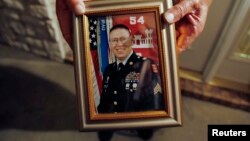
(134, 20)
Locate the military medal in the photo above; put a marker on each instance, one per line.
(127, 86)
(134, 86)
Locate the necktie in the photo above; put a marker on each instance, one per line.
(120, 66)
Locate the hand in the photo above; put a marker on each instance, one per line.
(190, 18)
(64, 12)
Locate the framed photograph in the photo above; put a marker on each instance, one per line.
(126, 68)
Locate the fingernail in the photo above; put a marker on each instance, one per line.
(170, 17)
(80, 9)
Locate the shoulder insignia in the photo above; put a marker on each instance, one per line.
(154, 68)
(157, 89)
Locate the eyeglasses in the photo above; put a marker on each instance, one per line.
(115, 41)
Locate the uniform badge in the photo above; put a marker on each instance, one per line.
(107, 80)
(154, 68)
(131, 63)
(157, 89)
(128, 78)
(132, 80)
(105, 86)
(134, 86)
(127, 86)
(132, 77)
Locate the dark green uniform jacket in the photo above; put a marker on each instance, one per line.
(133, 87)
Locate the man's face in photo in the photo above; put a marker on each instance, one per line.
(120, 43)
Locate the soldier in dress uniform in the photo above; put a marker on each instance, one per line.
(134, 86)
(132, 83)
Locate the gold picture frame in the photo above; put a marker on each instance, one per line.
(136, 13)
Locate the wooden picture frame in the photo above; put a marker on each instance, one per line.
(93, 55)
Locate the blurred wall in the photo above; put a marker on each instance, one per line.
(31, 25)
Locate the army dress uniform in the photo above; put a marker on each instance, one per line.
(131, 88)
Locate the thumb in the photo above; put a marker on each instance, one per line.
(77, 6)
(179, 10)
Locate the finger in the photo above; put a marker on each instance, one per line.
(178, 11)
(184, 28)
(183, 42)
(64, 16)
(185, 33)
(193, 19)
(180, 41)
(77, 6)
(197, 18)
(197, 24)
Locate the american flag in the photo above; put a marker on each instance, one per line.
(93, 23)
(93, 33)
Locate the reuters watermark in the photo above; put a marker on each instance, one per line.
(219, 132)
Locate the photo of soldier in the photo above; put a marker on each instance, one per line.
(132, 83)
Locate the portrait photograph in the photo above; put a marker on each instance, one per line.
(130, 37)
(124, 67)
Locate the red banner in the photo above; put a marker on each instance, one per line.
(143, 30)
